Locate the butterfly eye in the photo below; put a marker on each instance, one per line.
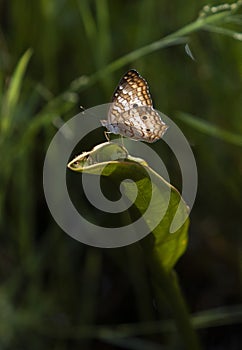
(135, 105)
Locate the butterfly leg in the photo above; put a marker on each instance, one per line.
(106, 135)
(122, 140)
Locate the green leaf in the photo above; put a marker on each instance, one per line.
(161, 248)
(157, 201)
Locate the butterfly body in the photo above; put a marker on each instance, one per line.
(131, 113)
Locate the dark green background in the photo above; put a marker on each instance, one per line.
(50, 282)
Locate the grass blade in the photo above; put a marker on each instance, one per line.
(13, 92)
(207, 128)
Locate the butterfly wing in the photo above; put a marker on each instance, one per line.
(141, 123)
(131, 113)
(131, 92)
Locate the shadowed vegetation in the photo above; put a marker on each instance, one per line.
(57, 293)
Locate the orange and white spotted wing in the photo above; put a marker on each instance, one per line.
(131, 113)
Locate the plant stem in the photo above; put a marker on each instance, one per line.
(166, 284)
(171, 39)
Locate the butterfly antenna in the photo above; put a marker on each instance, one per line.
(105, 132)
(84, 111)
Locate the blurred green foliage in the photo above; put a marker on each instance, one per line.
(57, 55)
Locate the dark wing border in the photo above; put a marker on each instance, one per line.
(124, 80)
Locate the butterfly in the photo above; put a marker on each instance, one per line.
(131, 113)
